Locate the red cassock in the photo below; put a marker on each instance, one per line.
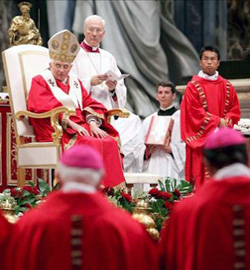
(6, 230)
(211, 230)
(41, 99)
(109, 238)
(204, 103)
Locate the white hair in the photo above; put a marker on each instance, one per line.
(93, 17)
(80, 175)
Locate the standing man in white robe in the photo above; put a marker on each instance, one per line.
(164, 160)
(90, 66)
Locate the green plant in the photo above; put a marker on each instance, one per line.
(119, 198)
(160, 200)
(22, 199)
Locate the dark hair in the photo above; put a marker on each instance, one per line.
(224, 156)
(167, 84)
(211, 49)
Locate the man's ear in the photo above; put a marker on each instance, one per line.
(210, 168)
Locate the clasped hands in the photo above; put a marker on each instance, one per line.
(165, 148)
(98, 79)
(225, 122)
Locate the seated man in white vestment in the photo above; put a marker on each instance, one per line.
(90, 66)
(160, 159)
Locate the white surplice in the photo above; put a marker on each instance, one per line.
(160, 162)
(89, 64)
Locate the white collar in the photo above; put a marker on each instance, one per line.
(165, 109)
(93, 48)
(65, 81)
(237, 169)
(208, 77)
(80, 187)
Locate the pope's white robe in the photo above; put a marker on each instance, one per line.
(160, 162)
(87, 65)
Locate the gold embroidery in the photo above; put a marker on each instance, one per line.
(118, 140)
(207, 118)
(55, 44)
(227, 98)
(88, 109)
(50, 82)
(238, 234)
(202, 94)
(75, 84)
(71, 142)
(121, 186)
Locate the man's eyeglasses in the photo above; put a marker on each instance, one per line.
(97, 30)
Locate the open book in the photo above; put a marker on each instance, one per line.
(113, 77)
(160, 129)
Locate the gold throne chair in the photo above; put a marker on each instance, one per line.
(21, 64)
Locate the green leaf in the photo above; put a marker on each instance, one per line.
(25, 193)
(161, 185)
(20, 210)
(185, 187)
(43, 187)
(32, 184)
(29, 200)
(167, 184)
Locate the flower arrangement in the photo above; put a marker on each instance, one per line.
(119, 198)
(21, 199)
(160, 200)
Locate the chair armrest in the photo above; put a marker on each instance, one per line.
(67, 110)
(54, 119)
(123, 113)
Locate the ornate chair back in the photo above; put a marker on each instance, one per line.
(21, 64)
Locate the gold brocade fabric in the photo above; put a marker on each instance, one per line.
(71, 142)
(91, 111)
(63, 46)
(121, 186)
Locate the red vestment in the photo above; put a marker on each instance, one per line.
(5, 236)
(41, 99)
(204, 103)
(110, 239)
(211, 230)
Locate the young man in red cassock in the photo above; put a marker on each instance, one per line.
(209, 102)
(211, 230)
(53, 88)
(77, 228)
